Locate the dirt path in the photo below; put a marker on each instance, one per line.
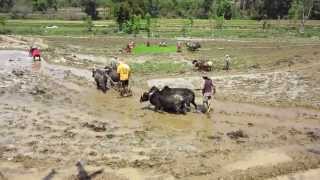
(52, 116)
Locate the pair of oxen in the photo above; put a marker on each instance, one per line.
(168, 99)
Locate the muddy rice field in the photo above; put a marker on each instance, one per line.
(55, 124)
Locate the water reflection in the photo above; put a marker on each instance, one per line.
(36, 66)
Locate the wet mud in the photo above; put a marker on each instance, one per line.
(52, 117)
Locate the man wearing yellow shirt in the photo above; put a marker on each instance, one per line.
(123, 70)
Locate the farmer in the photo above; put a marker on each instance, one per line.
(123, 70)
(208, 91)
(114, 62)
(130, 46)
(227, 62)
(35, 52)
(179, 47)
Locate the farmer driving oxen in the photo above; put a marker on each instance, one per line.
(35, 52)
(123, 70)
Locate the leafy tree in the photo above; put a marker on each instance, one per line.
(206, 8)
(148, 24)
(273, 9)
(21, 9)
(89, 23)
(301, 10)
(44, 5)
(3, 21)
(153, 8)
(219, 22)
(6, 5)
(39, 5)
(122, 14)
(136, 24)
(224, 8)
(90, 8)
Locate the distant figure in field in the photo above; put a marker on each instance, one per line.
(227, 60)
(179, 47)
(208, 91)
(35, 53)
(129, 47)
(148, 43)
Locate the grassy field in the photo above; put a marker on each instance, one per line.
(153, 49)
(169, 28)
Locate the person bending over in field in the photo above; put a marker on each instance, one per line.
(35, 53)
(208, 91)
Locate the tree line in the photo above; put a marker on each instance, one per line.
(123, 9)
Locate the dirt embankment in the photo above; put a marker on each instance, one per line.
(52, 117)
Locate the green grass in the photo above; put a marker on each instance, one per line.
(153, 49)
(150, 67)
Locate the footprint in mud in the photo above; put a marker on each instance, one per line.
(314, 136)
(237, 135)
(18, 72)
(96, 126)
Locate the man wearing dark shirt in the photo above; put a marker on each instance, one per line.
(208, 91)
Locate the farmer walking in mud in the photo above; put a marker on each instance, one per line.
(208, 91)
(179, 47)
(123, 70)
(227, 60)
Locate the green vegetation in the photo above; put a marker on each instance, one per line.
(89, 23)
(169, 28)
(150, 17)
(3, 24)
(123, 10)
(150, 67)
(143, 49)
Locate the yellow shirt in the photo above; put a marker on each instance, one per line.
(124, 71)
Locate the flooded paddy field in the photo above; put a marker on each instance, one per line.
(265, 122)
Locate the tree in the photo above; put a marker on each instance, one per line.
(153, 8)
(148, 24)
(224, 8)
(21, 9)
(301, 10)
(39, 5)
(206, 8)
(122, 14)
(273, 9)
(6, 5)
(44, 5)
(89, 23)
(3, 22)
(90, 8)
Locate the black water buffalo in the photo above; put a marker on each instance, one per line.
(165, 100)
(105, 78)
(101, 79)
(113, 75)
(193, 46)
(187, 94)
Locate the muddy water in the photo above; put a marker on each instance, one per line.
(136, 141)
